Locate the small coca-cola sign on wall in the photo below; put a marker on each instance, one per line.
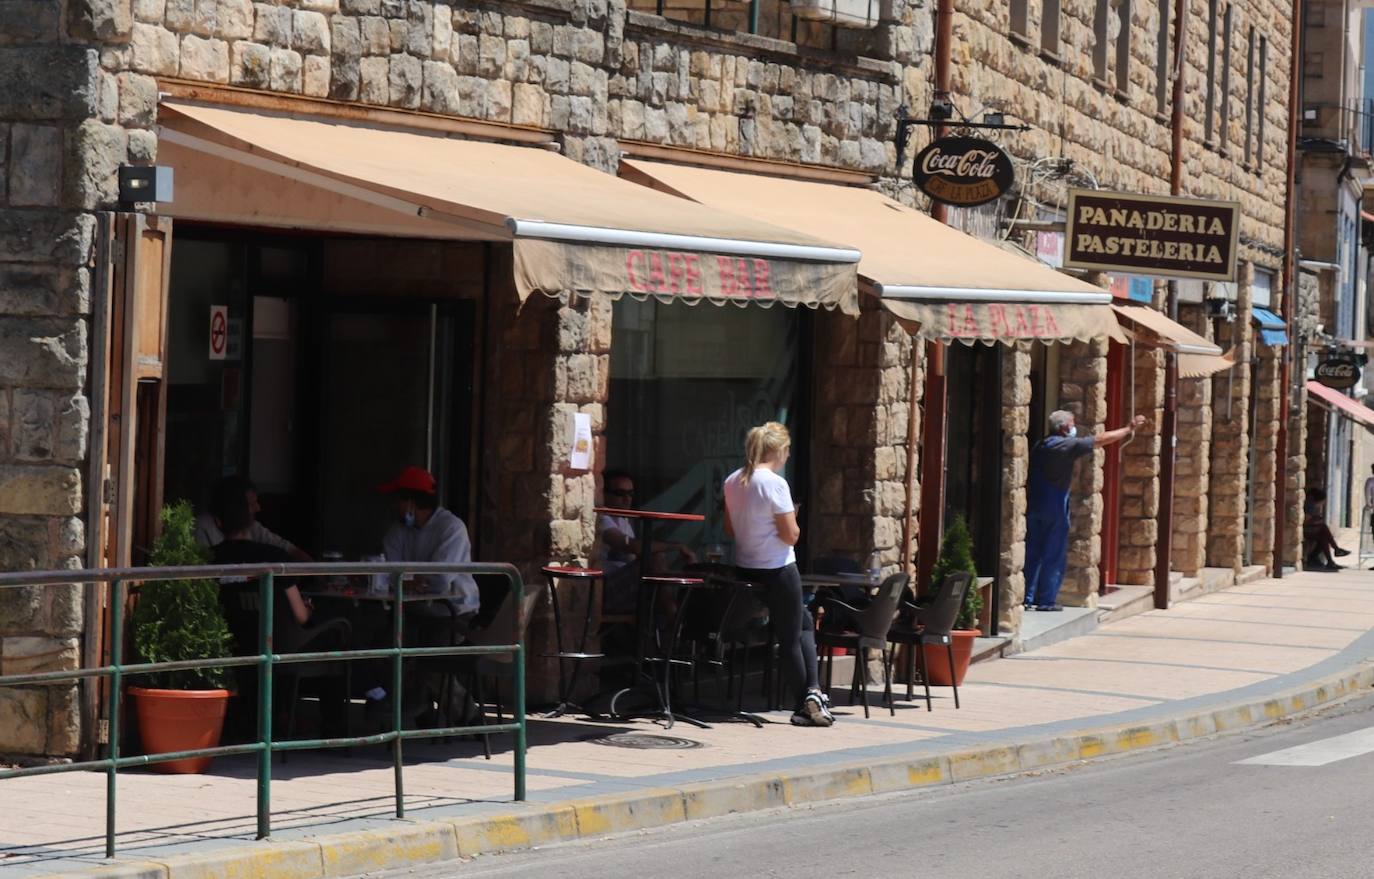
(1340, 371)
(963, 171)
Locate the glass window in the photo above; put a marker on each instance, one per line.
(687, 383)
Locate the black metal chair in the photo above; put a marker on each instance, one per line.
(242, 612)
(504, 628)
(932, 624)
(873, 623)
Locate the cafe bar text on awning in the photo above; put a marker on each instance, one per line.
(943, 284)
(574, 230)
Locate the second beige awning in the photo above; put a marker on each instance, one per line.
(1155, 328)
(949, 285)
(573, 229)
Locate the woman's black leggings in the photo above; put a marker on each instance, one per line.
(792, 624)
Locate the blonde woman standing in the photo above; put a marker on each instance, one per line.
(760, 516)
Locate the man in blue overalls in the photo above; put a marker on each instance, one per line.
(1047, 507)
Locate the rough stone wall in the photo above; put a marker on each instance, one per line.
(57, 156)
(1140, 474)
(1231, 440)
(1083, 391)
(1193, 470)
(859, 434)
(1302, 327)
(1263, 447)
(1016, 399)
(1119, 138)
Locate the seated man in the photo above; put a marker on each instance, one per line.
(227, 490)
(426, 532)
(1318, 543)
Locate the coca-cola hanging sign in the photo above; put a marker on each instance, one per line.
(963, 171)
(1338, 370)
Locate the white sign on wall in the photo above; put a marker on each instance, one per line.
(219, 331)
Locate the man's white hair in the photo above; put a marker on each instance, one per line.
(1060, 419)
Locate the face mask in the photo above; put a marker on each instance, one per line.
(408, 518)
(1073, 431)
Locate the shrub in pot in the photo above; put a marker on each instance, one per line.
(956, 554)
(177, 620)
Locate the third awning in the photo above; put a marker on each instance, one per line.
(946, 285)
(1339, 403)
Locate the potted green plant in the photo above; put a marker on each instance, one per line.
(176, 620)
(956, 554)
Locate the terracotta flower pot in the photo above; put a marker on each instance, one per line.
(937, 658)
(180, 720)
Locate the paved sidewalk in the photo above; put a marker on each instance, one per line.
(1248, 642)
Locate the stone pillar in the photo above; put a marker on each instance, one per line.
(1140, 474)
(859, 435)
(1304, 321)
(1264, 447)
(1193, 469)
(1231, 440)
(59, 148)
(545, 361)
(1083, 376)
(1016, 398)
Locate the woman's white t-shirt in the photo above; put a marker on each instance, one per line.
(751, 508)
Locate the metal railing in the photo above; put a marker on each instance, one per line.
(266, 661)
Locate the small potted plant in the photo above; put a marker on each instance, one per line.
(176, 620)
(956, 554)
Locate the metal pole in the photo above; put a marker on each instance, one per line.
(518, 684)
(265, 650)
(112, 712)
(1288, 293)
(1168, 429)
(397, 697)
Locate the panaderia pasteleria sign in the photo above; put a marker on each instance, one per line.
(1152, 235)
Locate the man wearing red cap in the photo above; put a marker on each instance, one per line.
(426, 532)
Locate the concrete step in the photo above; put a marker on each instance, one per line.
(1041, 629)
(985, 649)
(1251, 573)
(1124, 601)
(1216, 579)
(1183, 588)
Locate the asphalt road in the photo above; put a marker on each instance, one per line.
(1190, 811)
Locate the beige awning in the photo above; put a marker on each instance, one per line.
(920, 268)
(1155, 328)
(1203, 365)
(573, 228)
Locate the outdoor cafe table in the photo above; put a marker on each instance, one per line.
(661, 704)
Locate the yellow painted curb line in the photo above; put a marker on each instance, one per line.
(410, 843)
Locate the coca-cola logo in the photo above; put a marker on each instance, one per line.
(963, 171)
(1339, 371)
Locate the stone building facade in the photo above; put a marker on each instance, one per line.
(79, 96)
(1096, 93)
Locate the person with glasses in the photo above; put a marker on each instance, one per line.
(620, 548)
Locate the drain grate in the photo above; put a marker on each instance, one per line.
(645, 742)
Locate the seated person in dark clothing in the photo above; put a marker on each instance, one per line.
(1318, 543)
(290, 611)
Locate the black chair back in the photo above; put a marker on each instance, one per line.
(876, 619)
(938, 617)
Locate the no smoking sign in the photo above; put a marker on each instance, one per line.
(219, 331)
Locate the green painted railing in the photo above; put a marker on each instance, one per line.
(267, 661)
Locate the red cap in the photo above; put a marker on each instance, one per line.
(410, 479)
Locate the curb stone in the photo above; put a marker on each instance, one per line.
(412, 843)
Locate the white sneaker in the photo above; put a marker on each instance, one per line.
(816, 711)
